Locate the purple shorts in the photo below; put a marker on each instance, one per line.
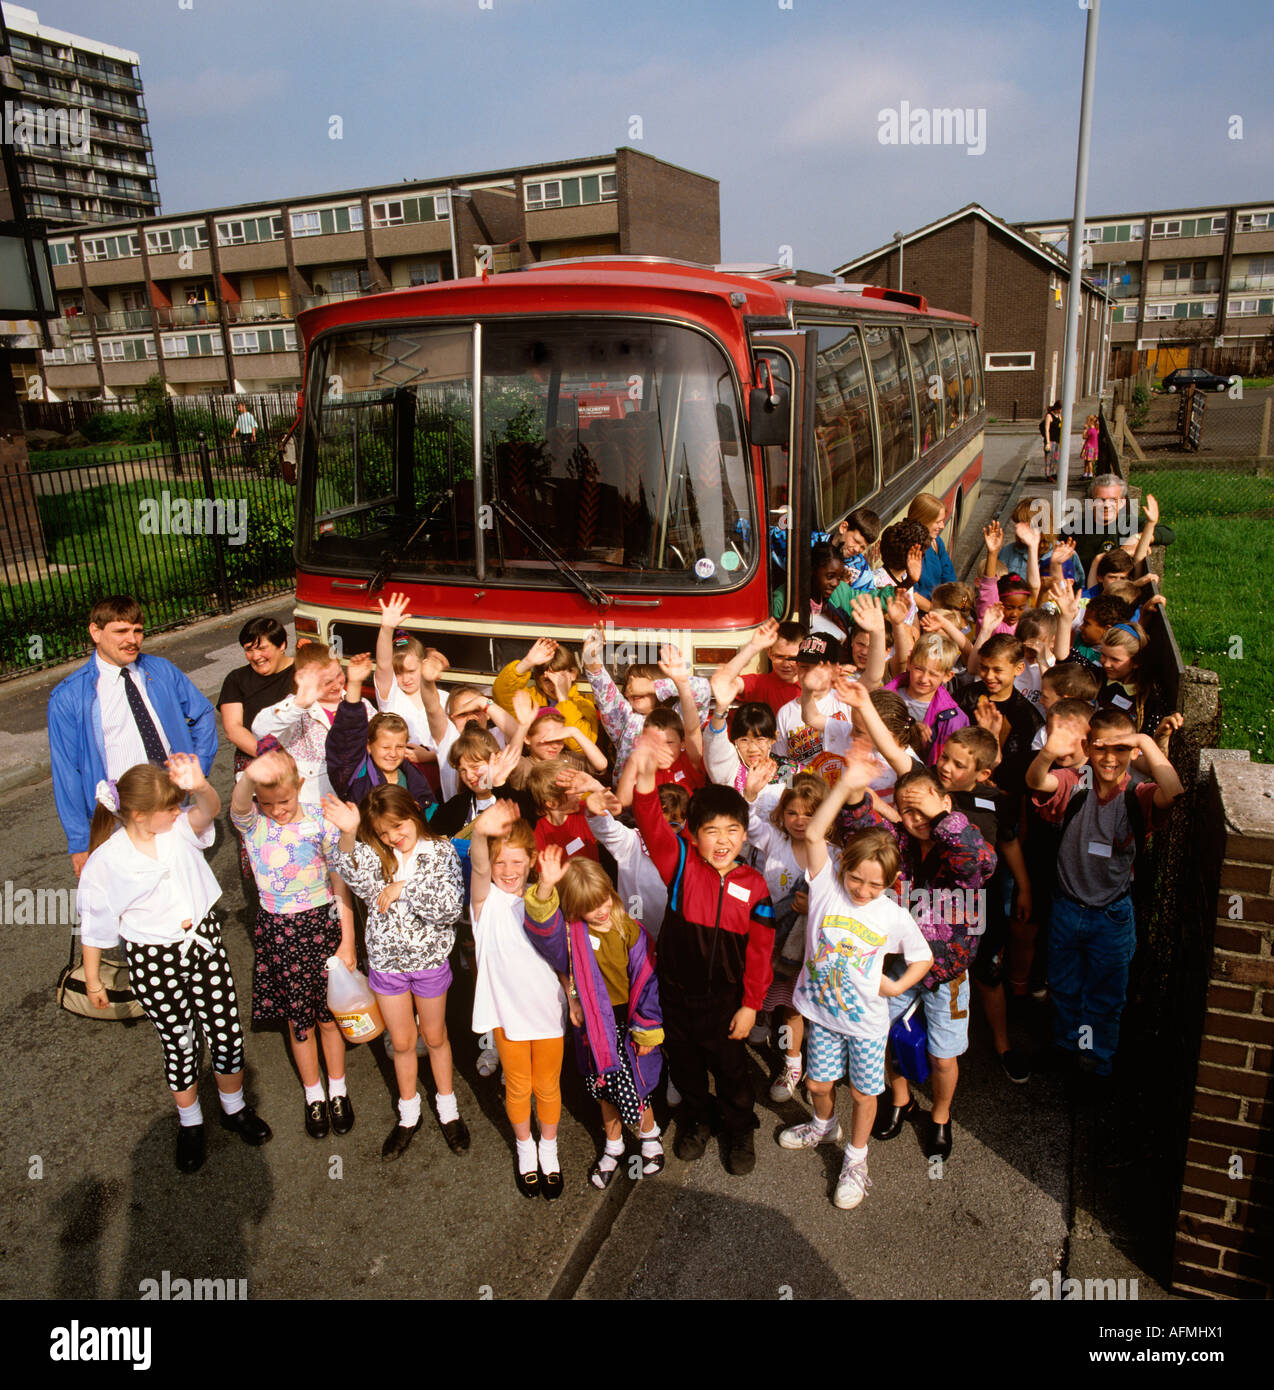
(423, 984)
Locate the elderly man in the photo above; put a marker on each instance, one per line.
(119, 709)
(1108, 521)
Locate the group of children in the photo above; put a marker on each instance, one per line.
(925, 792)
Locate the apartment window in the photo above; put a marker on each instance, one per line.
(63, 253)
(192, 345)
(544, 195)
(127, 349)
(1094, 233)
(423, 273)
(1159, 311)
(557, 193)
(610, 187)
(95, 249)
(355, 213)
(1241, 308)
(1162, 229)
(442, 206)
(230, 234)
(1010, 361)
(1138, 231)
(241, 230)
(388, 214)
(1260, 265)
(306, 224)
(348, 281)
(1218, 224)
(249, 340)
(166, 240)
(1253, 222)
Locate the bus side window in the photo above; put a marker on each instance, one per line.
(843, 432)
(924, 360)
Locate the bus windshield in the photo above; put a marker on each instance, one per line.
(612, 448)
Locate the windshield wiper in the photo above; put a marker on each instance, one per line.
(598, 597)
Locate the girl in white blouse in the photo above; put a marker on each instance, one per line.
(146, 883)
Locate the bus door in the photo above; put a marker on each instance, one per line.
(789, 360)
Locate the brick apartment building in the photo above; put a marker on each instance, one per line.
(973, 263)
(207, 299)
(1197, 291)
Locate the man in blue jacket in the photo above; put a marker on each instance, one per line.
(119, 709)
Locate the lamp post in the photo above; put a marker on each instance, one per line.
(898, 239)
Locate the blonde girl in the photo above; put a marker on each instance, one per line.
(614, 999)
(517, 995)
(147, 884)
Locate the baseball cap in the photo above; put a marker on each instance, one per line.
(817, 648)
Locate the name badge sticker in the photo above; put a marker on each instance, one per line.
(1102, 851)
(1121, 701)
(595, 942)
(736, 891)
(575, 846)
(983, 804)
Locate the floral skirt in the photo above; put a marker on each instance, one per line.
(289, 975)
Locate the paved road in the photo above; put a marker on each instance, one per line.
(95, 1205)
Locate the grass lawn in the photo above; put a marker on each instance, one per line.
(1215, 577)
(92, 453)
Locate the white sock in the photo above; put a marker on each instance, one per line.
(826, 1126)
(549, 1161)
(857, 1155)
(190, 1115)
(792, 1063)
(335, 1086)
(313, 1093)
(232, 1101)
(448, 1110)
(526, 1155)
(409, 1111)
(650, 1144)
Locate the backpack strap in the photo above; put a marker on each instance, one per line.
(1073, 808)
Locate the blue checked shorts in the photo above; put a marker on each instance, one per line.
(830, 1054)
(946, 1011)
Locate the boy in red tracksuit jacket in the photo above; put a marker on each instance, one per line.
(714, 961)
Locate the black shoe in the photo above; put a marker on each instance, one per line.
(248, 1125)
(316, 1121)
(551, 1185)
(342, 1113)
(528, 1183)
(190, 1148)
(891, 1118)
(740, 1154)
(939, 1145)
(456, 1133)
(1016, 1067)
(692, 1141)
(399, 1138)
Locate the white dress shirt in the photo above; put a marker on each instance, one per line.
(120, 735)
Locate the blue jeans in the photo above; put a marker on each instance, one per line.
(1089, 952)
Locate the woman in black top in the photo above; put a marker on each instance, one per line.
(264, 681)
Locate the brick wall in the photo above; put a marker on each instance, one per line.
(666, 211)
(1225, 1224)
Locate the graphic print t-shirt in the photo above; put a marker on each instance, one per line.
(845, 950)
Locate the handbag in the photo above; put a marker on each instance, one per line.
(910, 1041)
(121, 1002)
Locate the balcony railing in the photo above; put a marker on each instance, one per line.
(1167, 289)
(67, 67)
(74, 325)
(122, 321)
(1251, 282)
(259, 310)
(309, 301)
(188, 315)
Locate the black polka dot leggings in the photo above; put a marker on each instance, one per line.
(184, 998)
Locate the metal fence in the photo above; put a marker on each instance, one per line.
(1200, 426)
(180, 418)
(189, 530)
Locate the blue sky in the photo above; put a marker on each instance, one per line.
(781, 105)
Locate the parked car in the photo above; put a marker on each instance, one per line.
(1195, 376)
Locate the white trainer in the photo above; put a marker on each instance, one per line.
(786, 1083)
(853, 1183)
(809, 1136)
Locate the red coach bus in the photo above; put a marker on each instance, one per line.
(612, 439)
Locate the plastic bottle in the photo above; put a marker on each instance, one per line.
(352, 1003)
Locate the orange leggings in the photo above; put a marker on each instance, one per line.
(531, 1066)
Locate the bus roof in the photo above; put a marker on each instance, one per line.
(751, 290)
